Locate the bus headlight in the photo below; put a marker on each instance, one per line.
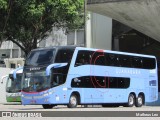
(46, 94)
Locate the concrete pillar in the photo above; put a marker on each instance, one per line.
(99, 32)
(75, 37)
(11, 53)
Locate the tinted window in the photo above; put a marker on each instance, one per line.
(83, 58)
(58, 76)
(98, 58)
(100, 82)
(40, 57)
(124, 61)
(64, 55)
(111, 59)
(113, 83)
(149, 63)
(137, 62)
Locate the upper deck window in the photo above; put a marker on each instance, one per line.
(86, 57)
(40, 57)
(64, 55)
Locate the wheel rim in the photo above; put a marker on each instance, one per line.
(140, 101)
(73, 101)
(131, 100)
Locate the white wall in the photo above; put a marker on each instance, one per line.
(3, 72)
(56, 37)
(76, 37)
(99, 31)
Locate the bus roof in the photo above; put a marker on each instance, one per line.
(56, 47)
(93, 49)
(116, 52)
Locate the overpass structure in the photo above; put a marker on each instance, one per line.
(141, 15)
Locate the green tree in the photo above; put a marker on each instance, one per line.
(3, 14)
(27, 22)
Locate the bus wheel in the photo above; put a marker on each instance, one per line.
(131, 100)
(139, 101)
(73, 101)
(48, 106)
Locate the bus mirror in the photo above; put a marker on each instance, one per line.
(3, 77)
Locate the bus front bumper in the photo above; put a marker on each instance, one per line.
(35, 99)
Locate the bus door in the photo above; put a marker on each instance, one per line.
(57, 82)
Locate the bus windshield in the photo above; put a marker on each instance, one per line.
(14, 85)
(35, 81)
(40, 57)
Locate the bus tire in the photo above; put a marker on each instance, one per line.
(139, 101)
(48, 106)
(73, 101)
(131, 101)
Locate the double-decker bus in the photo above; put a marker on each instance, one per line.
(13, 85)
(77, 76)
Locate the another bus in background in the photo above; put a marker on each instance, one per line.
(13, 85)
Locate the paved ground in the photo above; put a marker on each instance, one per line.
(18, 107)
(83, 113)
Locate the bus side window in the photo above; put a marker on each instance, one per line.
(57, 79)
(76, 82)
(82, 58)
(149, 63)
(113, 83)
(108, 61)
(137, 62)
(82, 82)
(112, 59)
(87, 82)
(64, 56)
(121, 83)
(125, 61)
(98, 59)
(48, 56)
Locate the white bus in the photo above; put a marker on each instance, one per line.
(13, 85)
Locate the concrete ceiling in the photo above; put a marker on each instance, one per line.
(142, 15)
